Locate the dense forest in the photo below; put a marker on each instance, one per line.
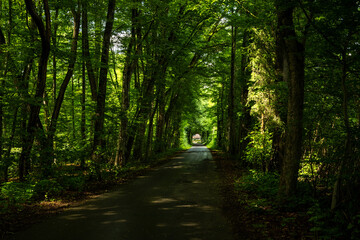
(104, 85)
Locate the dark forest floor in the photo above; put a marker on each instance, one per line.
(249, 222)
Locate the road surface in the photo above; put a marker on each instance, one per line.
(179, 200)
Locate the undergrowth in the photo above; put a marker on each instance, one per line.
(258, 193)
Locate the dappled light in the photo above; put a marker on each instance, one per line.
(163, 200)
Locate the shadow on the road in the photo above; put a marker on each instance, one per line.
(177, 201)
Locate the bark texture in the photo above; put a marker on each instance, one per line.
(34, 121)
(293, 73)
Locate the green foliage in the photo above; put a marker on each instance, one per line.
(47, 189)
(72, 183)
(17, 193)
(264, 185)
(327, 224)
(259, 149)
(212, 144)
(258, 189)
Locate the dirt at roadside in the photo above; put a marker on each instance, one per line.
(249, 224)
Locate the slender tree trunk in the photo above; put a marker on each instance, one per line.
(220, 118)
(159, 142)
(245, 119)
(2, 83)
(231, 116)
(7, 161)
(170, 113)
(293, 54)
(128, 71)
(44, 31)
(62, 90)
(150, 132)
(46, 111)
(346, 163)
(54, 39)
(83, 110)
(158, 77)
(86, 51)
(73, 109)
(99, 140)
(3, 73)
(137, 128)
(139, 138)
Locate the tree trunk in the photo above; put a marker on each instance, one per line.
(73, 110)
(293, 73)
(220, 118)
(86, 51)
(99, 140)
(150, 131)
(143, 111)
(159, 140)
(62, 90)
(2, 83)
(231, 110)
(245, 119)
(83, 110)
(346, 163)
(35, 106)
(129, 67)
(7, 161)
(54, 39)
(170, 112)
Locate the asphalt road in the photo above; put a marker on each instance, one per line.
(179, 200)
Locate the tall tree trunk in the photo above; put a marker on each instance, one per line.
(129, 68)
(2, 83)
(220, 118)
(278, 138)
(7, 161)
(73, 110)
(245, 120)
(143, 111)
(293, 54)
(62, 90)
(231, 115)
(3, 73)
(86, 51)
(170, 113)
(159, 140)
(54, 40)
(99, 141)
(141, 119)
(150, 132)
(83, 109)
(44, 31)
(346, 162)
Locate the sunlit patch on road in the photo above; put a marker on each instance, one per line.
(163, 200)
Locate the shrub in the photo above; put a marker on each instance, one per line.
(17, 193)
(333, 224)
(72, 183)
(46, 189)
(259, 149)
(264, 185)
